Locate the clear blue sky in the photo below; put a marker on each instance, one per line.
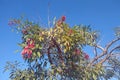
(102, 15)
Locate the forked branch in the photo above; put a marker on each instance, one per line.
(104, 52)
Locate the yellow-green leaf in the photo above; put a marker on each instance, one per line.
(38, 53)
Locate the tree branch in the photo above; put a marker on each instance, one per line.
(95, 51)
(49, 57)
(105, 51)
(100, 47)
(110, 54)
(112, 42)
(58, 48)
(114, 49)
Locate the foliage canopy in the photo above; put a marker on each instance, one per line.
(56, 53)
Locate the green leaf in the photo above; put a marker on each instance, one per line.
(16, 51)
(22, 45)
(34, 54)
(54, 20)
(40, 47)
(94, 76)
(37, 45)
(38, 53)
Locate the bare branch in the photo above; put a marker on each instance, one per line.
(103, 60)
(96, 58)
(108, 66)
(105, 51)
(100, 47)
(114, 49)
(117, 55)
(110, 54)
(112, 42)
(95, 51)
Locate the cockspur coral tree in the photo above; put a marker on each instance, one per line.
(56, 53)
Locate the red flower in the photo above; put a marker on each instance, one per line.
(86, 56)
(24, 31)
(59, 22)
(70, 32)
(63, 18)
(30, 46)
(30, 43)
(26, 52)
(28, 40)
(77, 51)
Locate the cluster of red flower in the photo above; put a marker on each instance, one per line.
(27, 51)
(77, 52)
(86, 56)
(59, 22)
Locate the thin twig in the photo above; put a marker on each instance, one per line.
(49, 14)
